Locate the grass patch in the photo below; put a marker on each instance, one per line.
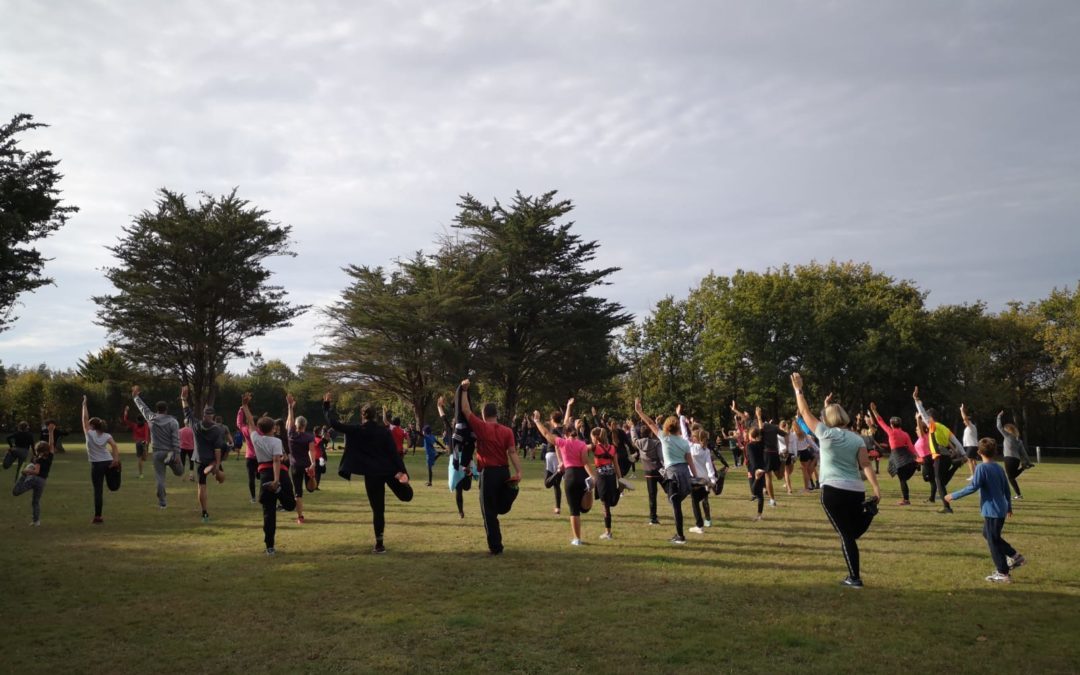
(153, 591)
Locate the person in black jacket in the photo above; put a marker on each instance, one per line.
(19, 445)
(370, 452)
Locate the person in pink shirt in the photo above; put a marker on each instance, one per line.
(187, 449)
(923, 455)
(902, 458)
(249, 447)
(578, 478)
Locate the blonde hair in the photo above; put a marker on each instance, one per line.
(835, 416)
(1011, 429)
(671, 425)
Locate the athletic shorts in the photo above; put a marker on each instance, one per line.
(140, 449)
(574, 486)
(772, 462)
(971, 451)
(787, 460)
(805, 455)
(299, 478)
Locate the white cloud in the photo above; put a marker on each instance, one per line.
(933, 140)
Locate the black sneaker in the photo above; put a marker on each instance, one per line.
(677, 540)
(379, 548)
(852, 583)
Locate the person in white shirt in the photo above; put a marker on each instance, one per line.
(971, 441)
(553, 477)
(104, 459)
(706, 472)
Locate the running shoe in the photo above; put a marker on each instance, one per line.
(1019, 498)
(205, 518)
(903, 502)
(98, 520)
(708, 523)
(697, 530)
(625, 484)
(575, 542)
(654, 522)
(606, 536)
(946, 509)
(870, 507)
(35, 523)
(379, 548)
(772, 503)
(1017, 561)
(427, 484)
(968, 479)
(253, 500)
(999, 578)
(756, 518)
(852, 583)
(270, 552)
(162, 506)
(677, 540)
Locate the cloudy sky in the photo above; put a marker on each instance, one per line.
(939, 141)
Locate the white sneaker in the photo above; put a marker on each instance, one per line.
(772, 502)
(575, 542)
(697, 530)
(708, 523)
(968, 479)
(999, 578)
(605, 536)
(35, 523)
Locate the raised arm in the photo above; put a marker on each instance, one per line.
(800, 400)
(542, 428)
(85, 416)
(645, 418)
(332, 416)
(919, 406)
(877, 416)
(566, 415)
(189, 414)
(290, 401)
(1000, 426)
(964, 415)
(245, 408)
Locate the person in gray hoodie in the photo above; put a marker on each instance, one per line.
(164, 439)
(211, 443)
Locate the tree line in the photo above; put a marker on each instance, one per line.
(510, 296)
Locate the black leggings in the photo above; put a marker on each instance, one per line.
(943, 473)
(845, 511)
(928, 476)
(270, 500)
(904, 473)
(459, 497)
(554, 480)
(253, 471)
(97, 477)
(652, 486)
(607, 491)
(10, 458)
(185, 459)
(676, 500)
(574, 484)
(497, 496)
(757, 488)
(700, 503)
(376, 495)
(1013, 469)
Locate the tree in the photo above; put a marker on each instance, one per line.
(108, 364)
(546, 334)
(389, 333)
(192, 287)
(30, 210)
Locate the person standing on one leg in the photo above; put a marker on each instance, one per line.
(995, 506)
(843, 496)
(971, 441)
(706, 472)
(431, 454)
(370, 452)
(250, 461)
(496, 451)
(104, 458)
(572, 462)
(34, 477)
(678, 470)
(1016, 457)
(164, 439)
(460, 475)
(902, 458)
(140, 434)
(941, 440)
(211, 442)
(302, 453)
(276, 487)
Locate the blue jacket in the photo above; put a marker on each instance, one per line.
(994, 495)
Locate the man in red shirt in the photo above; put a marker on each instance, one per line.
(396, 431)
(496, 449)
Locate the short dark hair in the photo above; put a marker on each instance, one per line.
(490, 410)
(930, 412)
(265, 425)
(396, 421)
(162, 407)
(367, 412)
(988, 448)
(23, 426)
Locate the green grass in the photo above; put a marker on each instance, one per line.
(154, 591)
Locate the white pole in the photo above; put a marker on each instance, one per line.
(1038, 454)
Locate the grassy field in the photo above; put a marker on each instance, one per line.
(153, 591)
